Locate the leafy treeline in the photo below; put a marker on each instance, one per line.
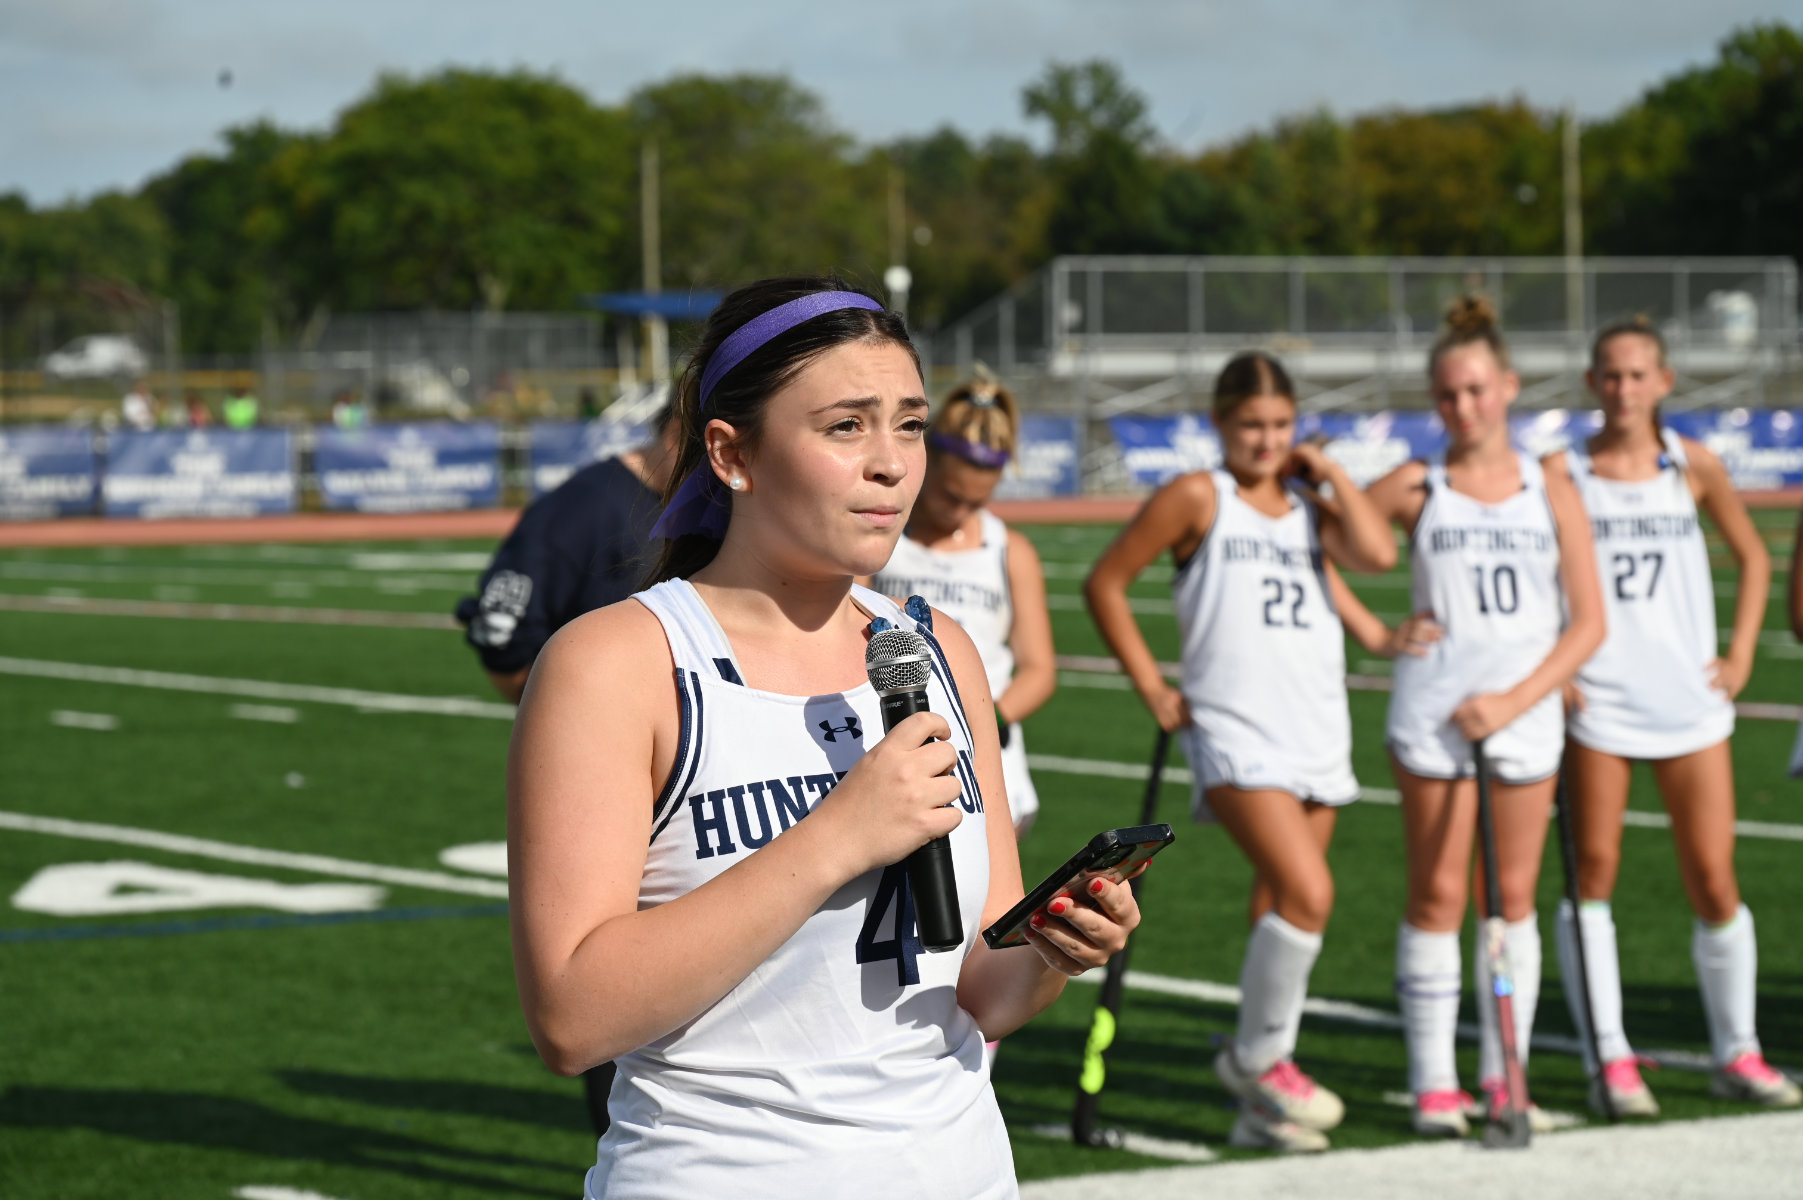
(469, 189)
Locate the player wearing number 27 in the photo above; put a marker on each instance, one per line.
(705, 811)
(1658, 691)
(1262, 708)
(1502, 569)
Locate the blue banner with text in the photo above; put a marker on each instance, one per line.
(199, 473)
(422, 467)
(46, 472)
(557, 449)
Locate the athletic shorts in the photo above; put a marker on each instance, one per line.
(1213, 765)
(1526, 750)
(1023, 798)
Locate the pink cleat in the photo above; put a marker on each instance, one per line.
(1629, 1095)
(1443, 1113)
(1749, 1077)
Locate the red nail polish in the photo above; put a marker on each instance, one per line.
(1058, 907)
(1096, 886)
(1038, 922)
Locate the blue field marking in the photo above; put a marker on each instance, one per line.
(74, 933)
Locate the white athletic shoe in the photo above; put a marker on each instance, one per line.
(1255, 1129)
(1538, 1121)
(1283, 1092)
(1629, 1095)
(1750, 1078)
(1445, 1113)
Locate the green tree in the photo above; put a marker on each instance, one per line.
(756, 181)
(1709, 161)
(221, 272)
(459, 190)
(1107, 182)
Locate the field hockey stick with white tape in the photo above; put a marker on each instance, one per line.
(1508, 1126)
(1107, 1019)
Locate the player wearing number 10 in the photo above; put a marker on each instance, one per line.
(1658, 691)
(1499, 554)
(1262, 711)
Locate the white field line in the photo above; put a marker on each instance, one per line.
(1058, 764)
(284, 614)
(100, 722)
(315, 864)
(444, 706)
(1347, 1012)
(257, 1191)
(1139, 1143)
(275, 714)
(68, 572)
(1756, 1157)
(1072, 668)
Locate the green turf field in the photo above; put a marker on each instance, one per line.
(255, 1044)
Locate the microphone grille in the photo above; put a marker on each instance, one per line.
(898, 660)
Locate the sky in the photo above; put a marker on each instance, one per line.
(102, 94)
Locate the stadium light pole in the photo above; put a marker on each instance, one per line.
(898, 279)
(657, 334)
(1574, 226)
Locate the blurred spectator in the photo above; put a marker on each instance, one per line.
(139, 407)
(241, 408)
(199, 415)
(347, 411)
(588, 405)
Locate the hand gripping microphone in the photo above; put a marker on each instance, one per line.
(899, 664)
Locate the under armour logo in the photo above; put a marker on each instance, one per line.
(850, 726)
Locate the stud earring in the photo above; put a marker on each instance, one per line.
(735, 483)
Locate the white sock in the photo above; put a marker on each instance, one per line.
(1602, 964)
(1427, 986)
(1521, 940)
(1273, 985)
(1727, 962)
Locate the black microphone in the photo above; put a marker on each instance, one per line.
(899, 664)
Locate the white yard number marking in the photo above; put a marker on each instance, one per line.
(104, 889)
(479, 858)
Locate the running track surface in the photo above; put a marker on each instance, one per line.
(494, 523)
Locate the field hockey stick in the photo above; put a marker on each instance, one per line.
(1508, 1128)
(1102, 1028)
(1568, 857)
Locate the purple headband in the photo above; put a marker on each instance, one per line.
(700, 505)
(974, 453)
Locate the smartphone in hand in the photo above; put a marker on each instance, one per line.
(1112, 855)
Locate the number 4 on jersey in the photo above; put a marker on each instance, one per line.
(903, 945)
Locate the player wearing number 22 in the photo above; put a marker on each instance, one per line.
(705, 811)
(1262, 710)
(1658, 691)
(1504, 592)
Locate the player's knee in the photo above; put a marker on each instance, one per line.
(1438, 902)
(1597, 869)
(1716, 896)
(1309, 904)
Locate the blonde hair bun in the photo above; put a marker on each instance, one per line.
(1472, 316)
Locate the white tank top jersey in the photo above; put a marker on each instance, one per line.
(1646, 691)
(969, 586)
(1264, 654)
(843, 1065)
(1489, 574)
